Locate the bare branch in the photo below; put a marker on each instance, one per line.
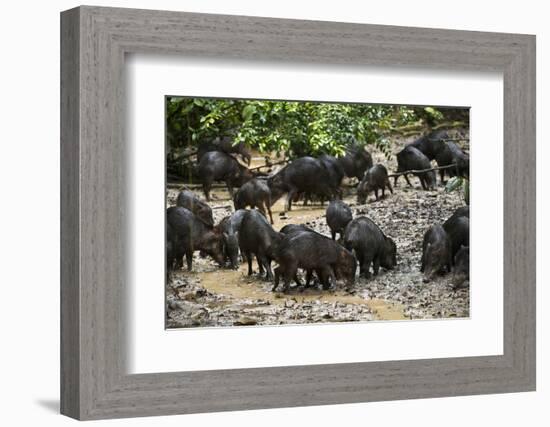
(269, 164)
(421, 171)
(449, 139)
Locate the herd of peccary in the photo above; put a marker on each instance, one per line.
(248, 234)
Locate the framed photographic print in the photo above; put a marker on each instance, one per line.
(261, 213)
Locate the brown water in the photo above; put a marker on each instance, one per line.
(237, 284)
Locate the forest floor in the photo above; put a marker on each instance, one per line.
(209, 296)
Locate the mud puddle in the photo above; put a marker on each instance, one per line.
(237, 285)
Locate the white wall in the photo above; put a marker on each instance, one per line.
(29, 225)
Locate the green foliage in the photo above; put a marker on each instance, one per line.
(433, 114)
(455, 183)
(286, 127)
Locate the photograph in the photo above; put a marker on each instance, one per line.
(299, 212)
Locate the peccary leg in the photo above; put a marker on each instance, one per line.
(333, 233)
(359, 256)
(423, 182)
(449, 263)
(388, 184)
(189, 258)
(426, 184)
(309, 276)
(324, 274)
(262, 211)
(248, 257)
(206, 186)
(290, 272)
(324, 277)
(270, 214)
(179, 263)
(268, 204)
(277, 272)
(287, 279)
(376, 193)
(376, 265)
(331, 274)
(366, 267)
(260, 265)
(395, 180)
(407, 179)
(289, 198)
(267, 264)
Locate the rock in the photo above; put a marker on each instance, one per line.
(188, 296)
(246, 321)
(198, 315)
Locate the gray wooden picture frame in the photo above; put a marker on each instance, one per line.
(94, 382)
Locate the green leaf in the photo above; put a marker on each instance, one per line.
(436, 114)
(454, 183)
(248, 112)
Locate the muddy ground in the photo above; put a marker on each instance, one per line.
(209, 296)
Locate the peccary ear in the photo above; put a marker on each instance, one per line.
(462, 247)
